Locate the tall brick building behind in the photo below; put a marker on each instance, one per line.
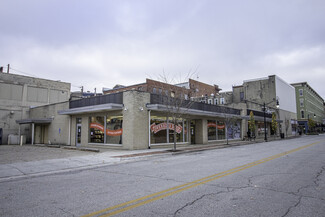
(192, 88)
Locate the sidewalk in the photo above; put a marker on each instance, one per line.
(61, 160)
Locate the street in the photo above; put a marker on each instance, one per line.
(278, 178)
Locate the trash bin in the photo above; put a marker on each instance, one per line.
(282, 135)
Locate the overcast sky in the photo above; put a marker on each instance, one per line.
(100, 43)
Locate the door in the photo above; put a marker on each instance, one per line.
(0, 136)
(78, 135)
(192, 131)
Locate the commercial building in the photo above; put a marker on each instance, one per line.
(18, 94)
(262, 96)
(310, 106)
(138, 120)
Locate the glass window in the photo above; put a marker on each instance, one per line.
(154, 90)
(301, 92)
(302, 114)
(212, 130)
(78, 120)
(209, 101)
(159, 90)
(241, 96)
(179, 130)
(96, 129)
(216, 101)
(301, 102)
(221, 130)
(234, 130)
(114, 129)
(185, 131)
(172, 94)
(158, 130)
(222, 101)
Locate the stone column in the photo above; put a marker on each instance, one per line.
(201, 131)
(135, 120)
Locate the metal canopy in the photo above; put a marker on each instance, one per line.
(35, 121)
(94, 108)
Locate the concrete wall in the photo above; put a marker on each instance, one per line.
(58, 131)
(285, 95)
(135, 120)
(18, 93)
(201, 131)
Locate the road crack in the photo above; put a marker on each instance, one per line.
(196, 200)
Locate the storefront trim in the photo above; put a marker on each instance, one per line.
(90, 109)
(163, 108)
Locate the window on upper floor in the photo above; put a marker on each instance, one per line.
(154, 90)
(209, 101)
(222, 101)
(216, 102)
(172, 94)
(302, 114)
(241, 96)
(301, 92)
(301, 102)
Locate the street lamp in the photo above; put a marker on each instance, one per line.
(264, 112)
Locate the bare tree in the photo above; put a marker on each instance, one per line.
(176, 99)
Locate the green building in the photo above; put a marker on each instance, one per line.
(310, 105)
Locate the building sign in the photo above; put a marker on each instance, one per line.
(220, 127)
(163, 126)
(109, 132)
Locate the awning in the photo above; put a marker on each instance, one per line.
(164, 108)
(35, 121)
(90, 109)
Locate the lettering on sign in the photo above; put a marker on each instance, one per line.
(163, 126)
(109, 132)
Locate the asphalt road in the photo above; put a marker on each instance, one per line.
(279, 178)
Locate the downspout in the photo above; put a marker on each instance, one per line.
(69, 134)
(149, 144)
(33, 128)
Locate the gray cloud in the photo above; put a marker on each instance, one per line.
(102, 43)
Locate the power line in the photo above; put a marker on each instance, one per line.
(22, 72)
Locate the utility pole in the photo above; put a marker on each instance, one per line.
(8, 68)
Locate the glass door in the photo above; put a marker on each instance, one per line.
(78, 135)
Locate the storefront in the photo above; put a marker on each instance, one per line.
(135, 123)
(162, 130)
(105, 129)
(218, 129)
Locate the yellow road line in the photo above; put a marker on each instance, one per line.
(177, 189)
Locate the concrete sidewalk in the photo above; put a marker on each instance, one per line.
(57, 160)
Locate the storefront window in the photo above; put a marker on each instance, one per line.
(221, 130)
(158, 130)
(212, 130)
(163, 132)
(179, 130)
(234, 131)
(96, 129)
(185, 131)
(261, 129)
(114, 129)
